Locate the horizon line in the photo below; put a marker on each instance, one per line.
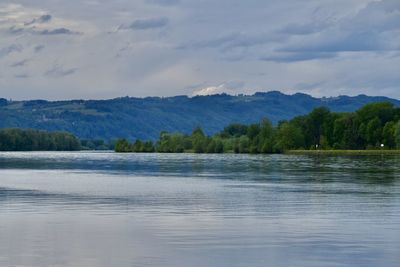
(194, 96)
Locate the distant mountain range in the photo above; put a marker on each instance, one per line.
(145, 118)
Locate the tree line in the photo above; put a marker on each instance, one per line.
(36, 140)
(373, 126)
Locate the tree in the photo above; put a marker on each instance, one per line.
(315, 122)
(35, 140)
(384, 111)
(253, 130)
(374, 132)
(199, 141)
(365, 128)
(234, 130)
(137, 146)
(388, 134)
(219, 146)
(211, 147)
(122, 145)
(289, 137)
(266, 137)
(397, 134)
(244, 144)
(345, 132)
(148, 147)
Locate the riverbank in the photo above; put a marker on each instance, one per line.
(344, 152)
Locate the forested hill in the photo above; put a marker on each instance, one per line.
(145, 118)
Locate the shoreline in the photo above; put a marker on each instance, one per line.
(343, 152)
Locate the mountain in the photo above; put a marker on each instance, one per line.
(145, 118)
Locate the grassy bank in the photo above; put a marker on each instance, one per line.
(344, 152)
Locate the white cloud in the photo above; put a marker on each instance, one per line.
(213, 90)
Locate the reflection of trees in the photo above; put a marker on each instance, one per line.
(374, 169)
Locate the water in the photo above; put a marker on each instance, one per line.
(107, 209)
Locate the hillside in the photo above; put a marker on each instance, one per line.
(145, 118)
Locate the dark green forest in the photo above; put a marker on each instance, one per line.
(374, 126)
(144, 118)
(36, 140)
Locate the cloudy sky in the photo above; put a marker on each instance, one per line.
(58, 49)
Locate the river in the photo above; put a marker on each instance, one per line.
(108, 209)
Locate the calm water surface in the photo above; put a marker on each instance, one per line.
(107, 209)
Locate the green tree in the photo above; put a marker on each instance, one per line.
(397, 134)
(289, 137)
(148, 146)
(374, 132)
(244, 144)
(384, 111)
(316, 121)
(137, 146)
(234, 130)
(266, 137)
(122, 145)
(345, 132)
(388, 134)
(253, 130)
(199, 141)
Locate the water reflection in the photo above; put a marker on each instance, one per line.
(106, 209)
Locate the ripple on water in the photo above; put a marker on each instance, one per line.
(108, 209)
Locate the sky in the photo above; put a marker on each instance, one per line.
(97, 49)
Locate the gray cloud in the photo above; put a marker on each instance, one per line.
(38, 48)
(146, 24)
(236, 46)
(21, 76)
(14, 48)
(308, 86)
(19, 63)
(238, 39)
(304, 29)
(44, 18)
(319, 47)
(41, 19)
(58, 71)
(338, 42)
(34, 30)
(57, 31)
(298, 56)
(373, 28)
(164, 2)
(379, 16)
(15, 29)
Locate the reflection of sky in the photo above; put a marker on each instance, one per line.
(103, 49)
(107, 209)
